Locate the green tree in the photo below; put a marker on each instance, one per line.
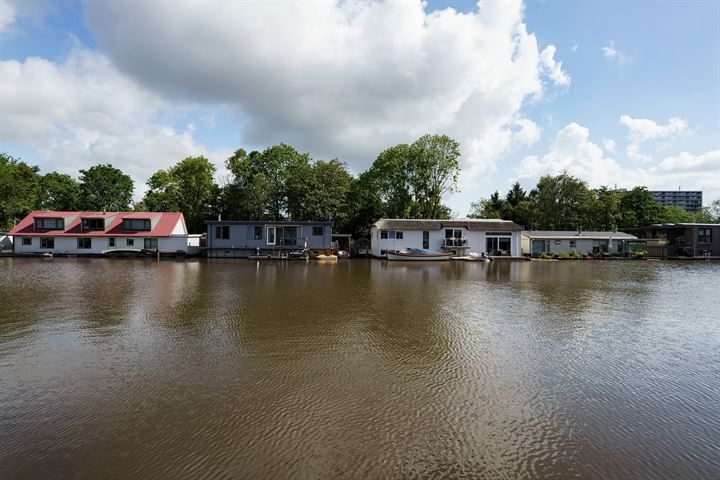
(709, 213)
(188, 187)
(515, 195)
(675, 214)
(19, 190)
(105, 188)
(319, 191)
(434, 172)
(639, 209)
(562, 202)
(604, 213)
(60, 192)
(390, 178)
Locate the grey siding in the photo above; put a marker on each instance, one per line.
(242, 236)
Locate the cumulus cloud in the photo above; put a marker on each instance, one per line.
(609, 145)
(82, 111)
(7, 15)
(341, 79)
(643, 130)
(573, 151)
(553, 68)
(611, 53)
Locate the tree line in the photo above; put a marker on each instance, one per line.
(280, 183)
(564, 202)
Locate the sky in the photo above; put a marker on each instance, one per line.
(617, 93)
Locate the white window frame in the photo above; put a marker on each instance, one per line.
(274, 235)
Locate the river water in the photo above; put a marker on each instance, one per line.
(362, 369)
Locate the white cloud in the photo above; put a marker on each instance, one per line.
(573, 151)
(83, 111)
(643, 130)
(553, 68)
(574, 48)
(7, 15)
(343, 79)
(609, 145)
(611, 53)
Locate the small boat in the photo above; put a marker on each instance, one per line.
(418, 254)
(327, 258)
(123, 252)
(473, 257)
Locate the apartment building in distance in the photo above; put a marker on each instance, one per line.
(688, 200)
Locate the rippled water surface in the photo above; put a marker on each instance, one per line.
(363, 369)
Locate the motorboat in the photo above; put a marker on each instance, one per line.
(418, 254)
(473, 257)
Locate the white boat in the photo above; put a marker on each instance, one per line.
(418, 254)
(473, 257)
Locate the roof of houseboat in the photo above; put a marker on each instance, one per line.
(471, 224)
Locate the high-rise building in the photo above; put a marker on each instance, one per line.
(690, 201)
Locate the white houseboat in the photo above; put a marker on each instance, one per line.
(537, 242)
(97, 233)
(459, 237)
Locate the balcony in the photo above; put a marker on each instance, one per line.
(455, 243)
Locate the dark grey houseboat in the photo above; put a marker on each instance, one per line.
(244, 238)
(681, 240)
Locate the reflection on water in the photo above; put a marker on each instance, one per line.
(360, 369)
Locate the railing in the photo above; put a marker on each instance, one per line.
(455, 242)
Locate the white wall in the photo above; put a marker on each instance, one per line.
(98, 244)
(413, 239)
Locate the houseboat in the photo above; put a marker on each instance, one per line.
(681, 240)
(245, 238)
(103, 233)
(498, 238)
(538, 242)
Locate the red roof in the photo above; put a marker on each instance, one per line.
(162, 224)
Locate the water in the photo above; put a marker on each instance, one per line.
(363, 369)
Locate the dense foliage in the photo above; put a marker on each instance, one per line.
(280, 183)
(563, 202)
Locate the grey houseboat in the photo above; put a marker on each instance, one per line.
(243, 238)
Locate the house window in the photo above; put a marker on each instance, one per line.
(130, 242)
(271, 235)
(222, 232)
(317, 231)
(47, 242)
(49, 224)
(111, 241)
(391, 234)
(383, 234)
(84, 243)
(557, 242)
(572, 243)
(502, 245)
(136, 224)
(399, 235)
(704, 235)
(426, 239)
(600, 246)
(90, 224)
(26, 241)
(254, 233)
(151, 244)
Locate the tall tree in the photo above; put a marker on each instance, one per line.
(19, 190)
(390, 178)
(319, 191)
(435, 172)
(639, 209)
(60, 192)
(516, 194)
(105, 188)
(187, 187)
(604, 213)
(562, 202)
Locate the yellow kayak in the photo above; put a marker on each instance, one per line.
(327, 258)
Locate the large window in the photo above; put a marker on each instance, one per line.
(383, 234)
(151, 243)
(84, 243)
(317, 231)
(254, 232)
(222, 232)
(90, 224)
(704, 235)
(271, 235)
(498, 245)
(49, 224)
(136, 224)
(392, 234)
(111, 241)
(130, 242)
(27, 241)
(599, 246)
(454, 237)
(47, 242)
(426, 239)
